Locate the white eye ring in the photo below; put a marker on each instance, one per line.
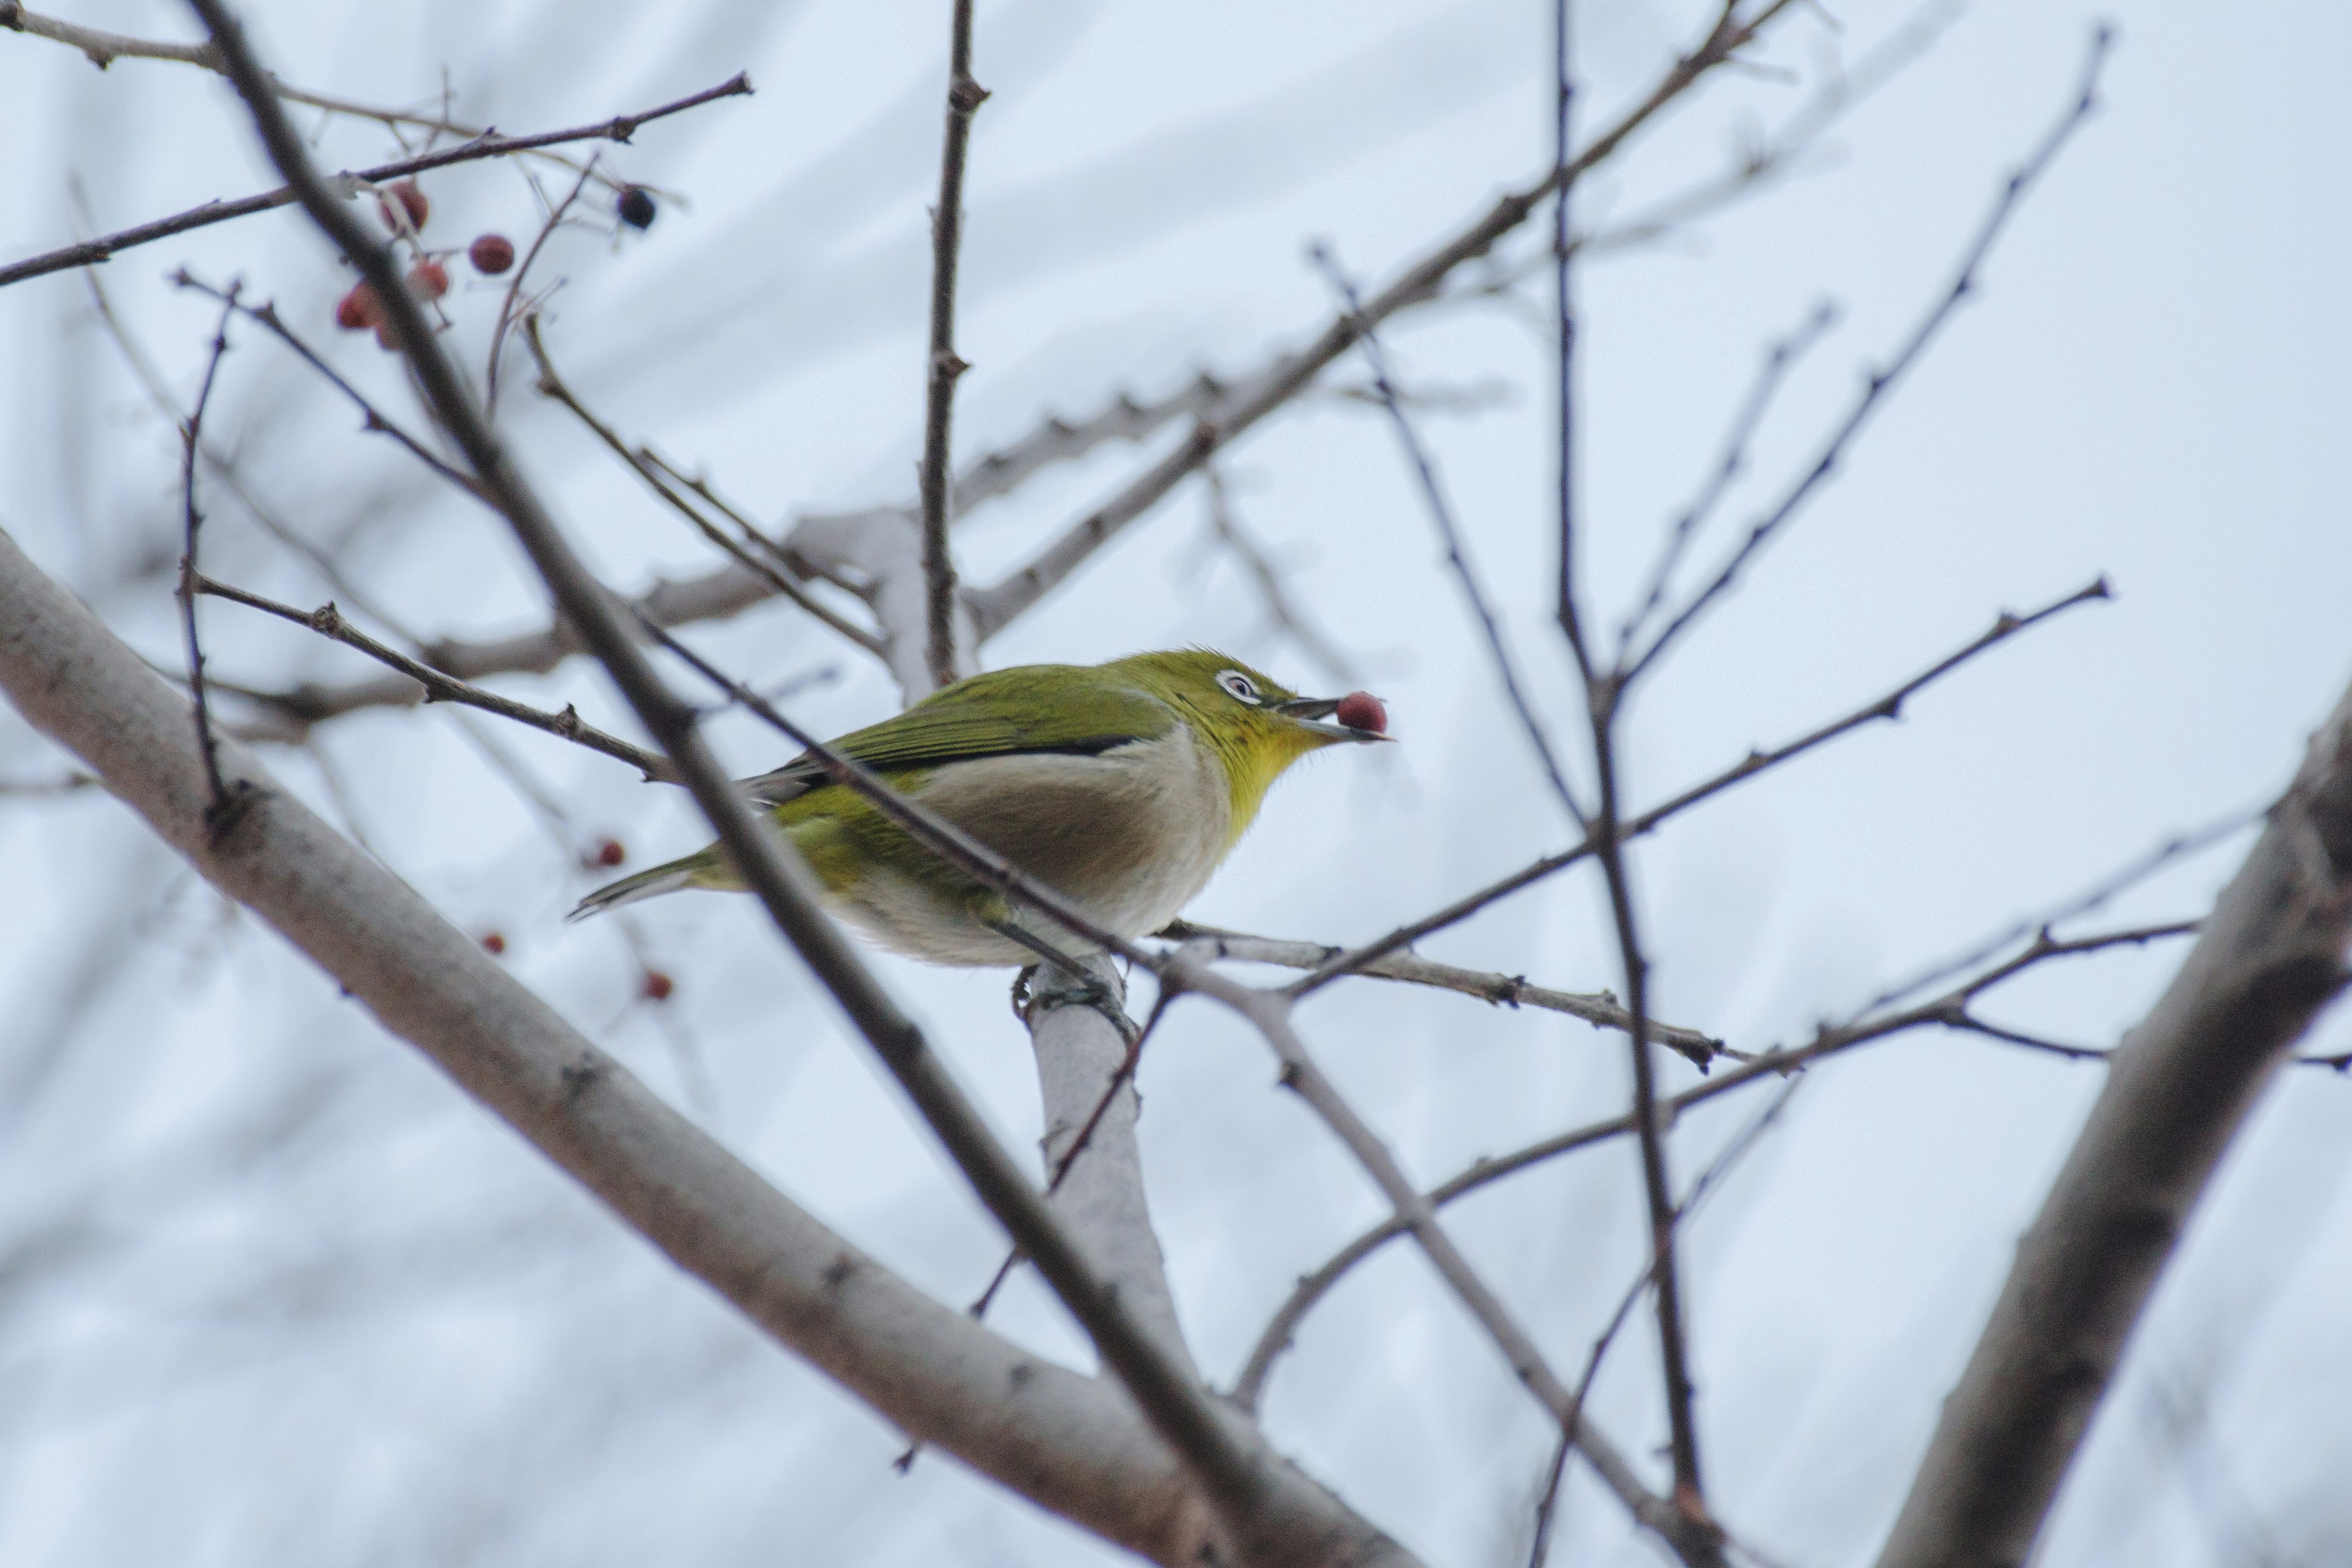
(1239, 687)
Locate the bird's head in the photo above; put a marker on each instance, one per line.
(1255, 727)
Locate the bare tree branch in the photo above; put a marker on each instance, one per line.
(1783, 353)
(2181, 1085)
(1599, 1009)
(653, 472)
(220, 813)
(1449, 535)
(1226, 1457)
(945, 367)
(620, 128)
(1950, 1010)
(1875, 385)
(1885, 709)
(1072, 1444)
(1696, 1544)
(1290, 375)
(1281, 614)
(328, 622)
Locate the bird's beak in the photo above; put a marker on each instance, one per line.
(1308, 714)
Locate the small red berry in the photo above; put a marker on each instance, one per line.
(1362, 710)
(635, 205)
(356, 308)
(411, 204)
(658, 986)
(610, 853)
(491, 254)
(428, 279)
(493, 943)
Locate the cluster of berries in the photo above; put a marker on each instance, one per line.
(404, 208)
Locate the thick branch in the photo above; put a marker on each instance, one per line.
(2180, 1085)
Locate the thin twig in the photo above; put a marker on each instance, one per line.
(1876, 384)
(1284, 615)
(1829, 1039)
(104, 49)
(1290, 375)
(328, 622)
(1564, 310)
(513, 296)
(1778, 361)
(1448, 533)
(620, 128)
(657, 476)
(1698, 1545)
(267, 315)
(1709, 1180)
(944, 368)
(1599, 1009)
(225, 468)
(220, 814)
(1886, 708)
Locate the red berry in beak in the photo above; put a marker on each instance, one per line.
(658, 986)
(1362, 710)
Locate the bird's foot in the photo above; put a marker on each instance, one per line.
(1044, 988)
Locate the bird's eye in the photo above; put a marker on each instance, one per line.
(1239, 686)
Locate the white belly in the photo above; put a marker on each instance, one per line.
(1130, 837)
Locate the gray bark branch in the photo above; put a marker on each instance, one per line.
(2182, 1086)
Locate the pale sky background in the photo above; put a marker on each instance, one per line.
(270, 1291)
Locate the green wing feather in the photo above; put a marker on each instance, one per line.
(1057, 707)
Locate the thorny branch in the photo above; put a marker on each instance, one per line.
(1222, 410)
(620, 128)
(945, 368)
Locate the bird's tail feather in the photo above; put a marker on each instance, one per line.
(661, 880)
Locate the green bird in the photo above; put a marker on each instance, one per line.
(1121, 786)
